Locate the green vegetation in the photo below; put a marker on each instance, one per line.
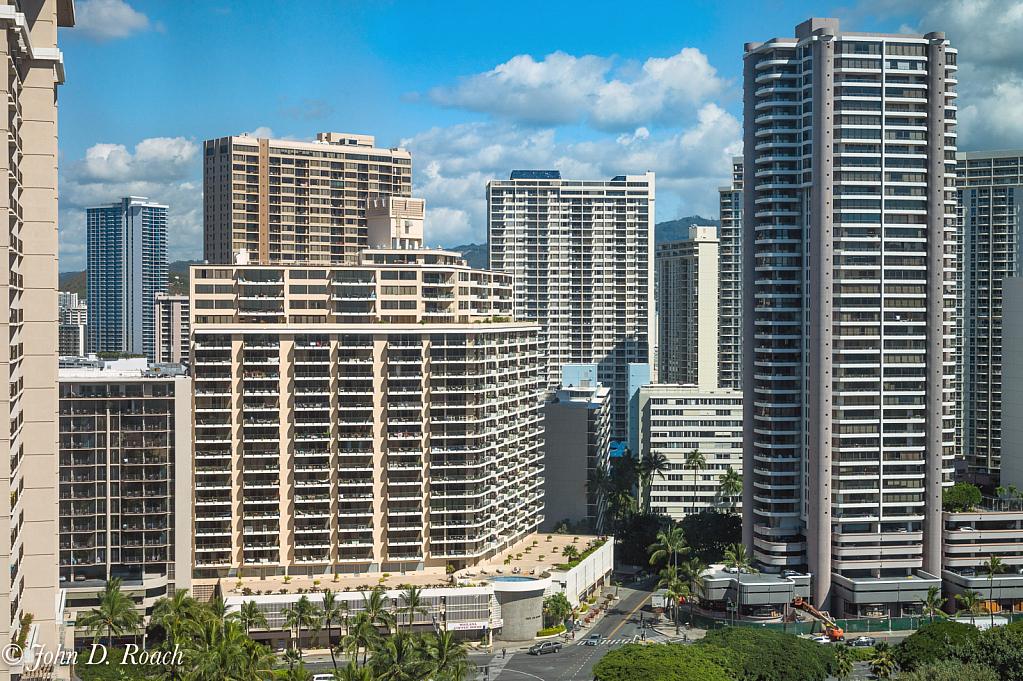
(556, 609)
(550, 631)
(960, 497)
(660, 663)
(949, 670)
(177, 279)
(932, 643)
(572, 553)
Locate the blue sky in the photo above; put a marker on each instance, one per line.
(473, 89)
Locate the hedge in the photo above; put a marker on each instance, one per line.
(551, 631)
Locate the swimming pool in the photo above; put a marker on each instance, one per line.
(510, 578)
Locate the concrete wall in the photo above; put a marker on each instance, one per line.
(575, 583)
(566, 443)
(523, 615)
(1012, 382)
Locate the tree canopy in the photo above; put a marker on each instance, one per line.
(660, 663)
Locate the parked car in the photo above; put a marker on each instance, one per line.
(789, 573)
(593, 640)
(545, 647)
(862, 642)
(820, 638)
(323, 677)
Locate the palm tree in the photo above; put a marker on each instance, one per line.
(677, 590)
(992, 567)
(305, 615)
(353, 672)
(398, 659)
(971, 602)
(444, 654)
(334, 610)
(412, 597)
(669, 576)
(693, 571)
(932, 604)
(557, 608)
(570, 553)
(116, 613)
(170, 613)
(375, 605)
(737, 557)
(218, 608)
(670, 543)
(845, 666)
(696, 461)
(361, 634)
(882, 664)
(731, 485)
(292, 657)
(653, 463)
(251, 617)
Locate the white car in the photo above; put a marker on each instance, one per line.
(820, 638)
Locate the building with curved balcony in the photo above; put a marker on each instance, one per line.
(379, 417)
(849, 302)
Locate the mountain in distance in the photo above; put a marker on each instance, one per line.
(177, 279)
(672, 230)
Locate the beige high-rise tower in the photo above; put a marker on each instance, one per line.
(286, 202)
(29, 299)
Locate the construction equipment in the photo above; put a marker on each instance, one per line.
(831, 629)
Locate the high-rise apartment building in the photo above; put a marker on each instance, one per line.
(384, 416)
(990, 206)
(849, 298)
(730, 281)
(71, 340)
(581, 254)
(289, 202)
(127, 269)
(72, 332)
(687, 309)
(676, 420)
(173, 319)
(577, 435)
(28, 523)
(125, 483)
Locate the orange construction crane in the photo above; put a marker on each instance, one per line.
(831, 629)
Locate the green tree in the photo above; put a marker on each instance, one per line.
(634, 662)
(972, 603)
(670, 543)
(375, 605)
(570, 553)
(710, 532)
(992, 567)
(252, 616)
(949, 670)
(217, 607)
(731, 485)
(445, 656)
(354, 672)
(1000, 648)
(115, 614)
(304, 615)
(693, 572)
(334, 611)
(677, 590)
(170, 614)
(960, 497)
(413, 602)
(362, 634)
(933, 642)
(556, 609)
(882, 665)
(653, 463)
(755, 654)
(738, 558)
(932, 604)
(844, 665)
(697, 462)
(398, 658)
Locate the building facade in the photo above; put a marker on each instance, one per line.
(29, 522)
(849, 235)
(676, 420)
(577, 438)
(730, 281)
(127, 256)
(173, 319)
(990, 204)
(289, 202)
(687, 309)
(71, 340)
(125, 481)
(581, 254)
(384, 416)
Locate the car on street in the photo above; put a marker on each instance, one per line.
(820, 638)
(323, 677)
(593, 640)
(862, 642)
(545, 647)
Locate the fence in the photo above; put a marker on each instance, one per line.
(812, 626)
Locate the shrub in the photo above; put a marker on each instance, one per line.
(768, 655)
(551, 631)
(931, 643)
(660, 663)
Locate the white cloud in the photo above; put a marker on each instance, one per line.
(262, 132)
(452, 166)
(564, 89)
(103, 20)
(161, 168)
(987, 34)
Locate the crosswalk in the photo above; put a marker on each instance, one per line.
(651, 637)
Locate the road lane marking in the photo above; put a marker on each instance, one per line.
(630, 615)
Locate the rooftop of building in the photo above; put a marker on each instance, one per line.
(93, 367)
(333, 139)
(689, 389)
(580, 396)
(533, 555)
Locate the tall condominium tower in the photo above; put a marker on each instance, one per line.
(377, 417)
(687, 309)
(288, 202)
(28, 523)
(849, 189)
(127, 260)
(990, 193)
(730, 281)
(581, 254)
(173, 335)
